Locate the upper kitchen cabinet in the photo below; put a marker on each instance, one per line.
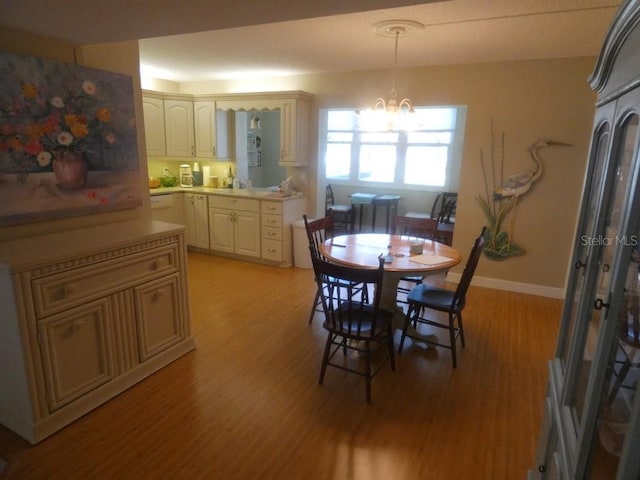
(179, 128)
(213, 137)
(294, 132)
(153, 110)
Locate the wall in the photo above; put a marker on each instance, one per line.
(120, 57)
(526, 100)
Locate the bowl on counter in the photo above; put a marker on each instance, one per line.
(154, 182)
(168, 181)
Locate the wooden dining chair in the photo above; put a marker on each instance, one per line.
(317, 232)
(420, 227)
(343, 215)
(452, 302)
(354, 324)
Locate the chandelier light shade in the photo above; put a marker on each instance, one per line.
(391, 114)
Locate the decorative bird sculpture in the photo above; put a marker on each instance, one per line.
(520, 183)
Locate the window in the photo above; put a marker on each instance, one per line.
(426, 157)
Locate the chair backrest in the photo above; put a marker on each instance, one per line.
(469, 269)
(415, 226)
(317, 232)
(346, 310)
(329, 200)
(444, 206)
(448, 207)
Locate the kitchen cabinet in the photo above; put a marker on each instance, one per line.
(213, 131)
(204, 115)
(591, 416)
(87, 313)
(277, 224)
(294, 132)
(197, 220)
(179, 128)
(234, 225)
(153, 110)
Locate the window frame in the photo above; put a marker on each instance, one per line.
(454, 157)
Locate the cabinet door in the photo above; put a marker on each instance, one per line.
(294, 124)
(190, 218)
(221, 234)
(158, 317)
(77, 353)
(201, 221)
(153, 111)
(178, 115)
(247, 233)
(204, 114)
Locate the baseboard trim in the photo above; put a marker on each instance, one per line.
(528, 288)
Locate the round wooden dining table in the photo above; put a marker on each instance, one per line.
(363, 249)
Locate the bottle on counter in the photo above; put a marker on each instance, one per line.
(230, 178)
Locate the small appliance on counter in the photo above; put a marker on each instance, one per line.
(186, 175)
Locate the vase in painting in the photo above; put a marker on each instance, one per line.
(70, 169)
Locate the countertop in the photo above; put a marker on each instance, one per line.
(241, 192)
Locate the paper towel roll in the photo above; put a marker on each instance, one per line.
(206, 173)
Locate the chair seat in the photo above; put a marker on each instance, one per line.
(341, 208)
(363, 318)
(431, 297)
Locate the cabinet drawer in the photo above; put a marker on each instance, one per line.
(73, 287)
(233, 203)
(272, 250)
(271, 233)
(272, 207)
(271, 220)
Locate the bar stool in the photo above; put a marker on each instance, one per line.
(390, 203)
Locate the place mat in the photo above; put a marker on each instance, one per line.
(429, 259)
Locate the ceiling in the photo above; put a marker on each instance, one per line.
(195, 40)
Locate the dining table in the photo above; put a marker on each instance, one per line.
(362, 250)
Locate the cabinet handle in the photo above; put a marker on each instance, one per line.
(154, 265)
(77, 325)
(598, 304)
(157, 296)
(69, 290)
(271, 250)
(578, 265)
(271, 234)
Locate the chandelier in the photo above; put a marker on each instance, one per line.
(391, 114)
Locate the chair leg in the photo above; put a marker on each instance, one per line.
(392, 358)
(407, 320)
(368, 369)
(452, 339)
(461, 329)
(325, 357)
(316, 301)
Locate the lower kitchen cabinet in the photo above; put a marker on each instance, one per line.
(87, 314)
(197, 220)
(234, 225)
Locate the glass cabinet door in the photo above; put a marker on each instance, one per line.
(602, 246)
(591, 199)
(619, 354)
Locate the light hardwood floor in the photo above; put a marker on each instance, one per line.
(246, 403)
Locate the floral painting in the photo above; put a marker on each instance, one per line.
(68, 143)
